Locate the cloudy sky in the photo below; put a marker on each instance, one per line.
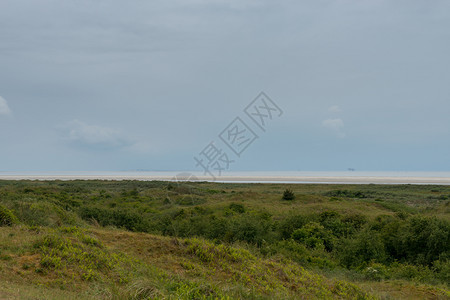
(126, 85)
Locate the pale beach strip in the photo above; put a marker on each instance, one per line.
(238, 178)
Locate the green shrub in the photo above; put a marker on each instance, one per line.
(424, 239)
(341, 226)
(44, 213)
(411, 272)
(354, 222)
(190, 200)
(288, 225)
(314, 235)
(441, 268)
(346, 194)
(331, 220)
(366, 246)
(416, 240)
(122, 218)
(236, 207)
(7, 218)
(252, 229)
(301, 254)
(288, 194)
(217, 228)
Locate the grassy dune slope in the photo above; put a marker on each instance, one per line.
(155, 240)
(99, 263)
(73, 263)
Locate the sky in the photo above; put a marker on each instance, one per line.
(147, 85)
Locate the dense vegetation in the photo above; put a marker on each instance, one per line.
(225, 240)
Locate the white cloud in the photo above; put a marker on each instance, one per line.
(334, 109)
(336, 125)
(141, 147)
(4, 108)
(96, 137)
(83, 134)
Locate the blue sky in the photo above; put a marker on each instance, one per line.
(114, 85)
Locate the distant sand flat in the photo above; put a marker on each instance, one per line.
(243, 178)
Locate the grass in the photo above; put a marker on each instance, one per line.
(154, 240)
(102, 263)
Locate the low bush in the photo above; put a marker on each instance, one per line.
(120, 218)
(288, 194)
(314, 235)
(237, 208)
(346, 194)
(366, 246)
(7, 218)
